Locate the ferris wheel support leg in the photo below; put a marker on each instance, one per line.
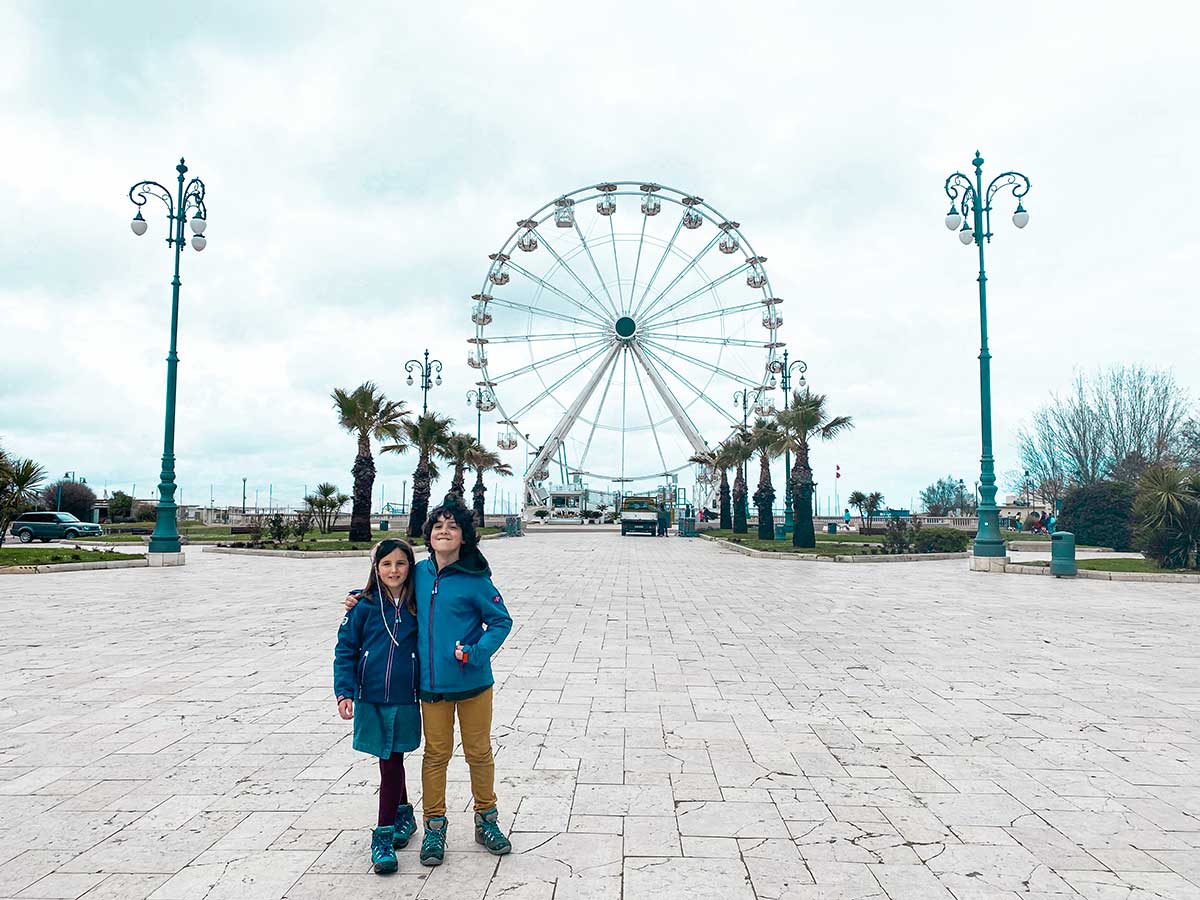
(672, 404)
(567, 422)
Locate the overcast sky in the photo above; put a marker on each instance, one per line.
(363, 159)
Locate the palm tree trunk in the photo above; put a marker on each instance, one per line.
(478, 496)
(364, 483)
(803, 534)
(420, 501)
(739, 502)
(764, 499)
(726, 512)
(458, 483)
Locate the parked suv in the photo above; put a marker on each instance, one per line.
(48, 526)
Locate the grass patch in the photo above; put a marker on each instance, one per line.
(1009, 535)
(1130, 565)
(111, 539)
(40, 556)
(822, 537)
(786, 546)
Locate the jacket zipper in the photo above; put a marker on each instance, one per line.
(414, 677)
(387, 678)
(362, 672)
(432, 602)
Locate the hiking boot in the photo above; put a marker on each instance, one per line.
(488, 833)
(433, 847)
(383, 855)
(406, 825)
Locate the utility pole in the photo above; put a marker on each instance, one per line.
(243, 496)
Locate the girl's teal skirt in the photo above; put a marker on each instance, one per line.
(382, 729)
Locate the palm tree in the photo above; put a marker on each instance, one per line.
(19, 483)
(806, 418)
(765, 439)
(460, 447)
(485, 460)
(858, 500)
(725, 462)
(326, 504)
(366, 413)
(740, 452)
(429, 434)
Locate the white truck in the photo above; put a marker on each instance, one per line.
(639, 514)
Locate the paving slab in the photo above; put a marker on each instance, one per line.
(671, 720)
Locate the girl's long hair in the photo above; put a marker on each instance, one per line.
(407, 594)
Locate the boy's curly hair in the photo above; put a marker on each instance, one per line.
(452, 508)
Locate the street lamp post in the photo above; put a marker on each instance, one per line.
(970, 202)
(485, 401)
(188, 205)
(785, 376)
(427, 371)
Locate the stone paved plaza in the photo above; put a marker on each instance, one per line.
(672, 720)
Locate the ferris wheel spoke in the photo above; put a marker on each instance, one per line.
(599, 407)
(682, 419)
(690, 386)
(554, 290)
(719, 341)
(650, 415)
(547, 313)
(637, 265)
(541, 363)
(550, 390)
(612, 232)
(716, 370)
(612, 305)
(559, 336)
(710, 314)
(624, 403)
(662, 259)
(696, 293)
(692, 263)
(562, 262)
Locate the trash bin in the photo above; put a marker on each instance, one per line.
(512, 526)
(780, 531)
(831, 528)
(1062, 554)
(687, 526)
(383, 524)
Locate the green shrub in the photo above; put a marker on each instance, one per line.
(900, 535)
(1168, 517)
(941, 540)
(1099, 515)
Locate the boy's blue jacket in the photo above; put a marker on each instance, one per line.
(454, 605)
(367, 665)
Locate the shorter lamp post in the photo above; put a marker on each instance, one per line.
(785, 375)
(189, 203)
(484, 401)
(430, 374)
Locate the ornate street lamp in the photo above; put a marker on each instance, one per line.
(485, 401)
(187, 206)
(785, 377)
(969, 202)
(427, 372)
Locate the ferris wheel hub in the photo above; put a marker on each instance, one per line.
(625, 328)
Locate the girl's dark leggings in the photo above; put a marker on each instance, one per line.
(392, 789)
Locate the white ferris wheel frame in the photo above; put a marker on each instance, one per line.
(646, 353)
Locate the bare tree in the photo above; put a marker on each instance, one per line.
(1112, 425)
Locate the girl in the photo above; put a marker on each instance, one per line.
(463, 622)
(376, 683)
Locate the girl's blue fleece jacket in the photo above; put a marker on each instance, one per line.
(367, 665)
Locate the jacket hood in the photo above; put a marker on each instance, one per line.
(471, 563)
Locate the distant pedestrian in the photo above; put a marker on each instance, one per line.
(846, 517)
(375, 682)
(664, 520)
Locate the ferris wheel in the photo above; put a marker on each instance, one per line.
(612, 327)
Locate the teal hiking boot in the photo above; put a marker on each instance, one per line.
(406, 825)
(488, 833)
(433, 847)
(383, 855)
